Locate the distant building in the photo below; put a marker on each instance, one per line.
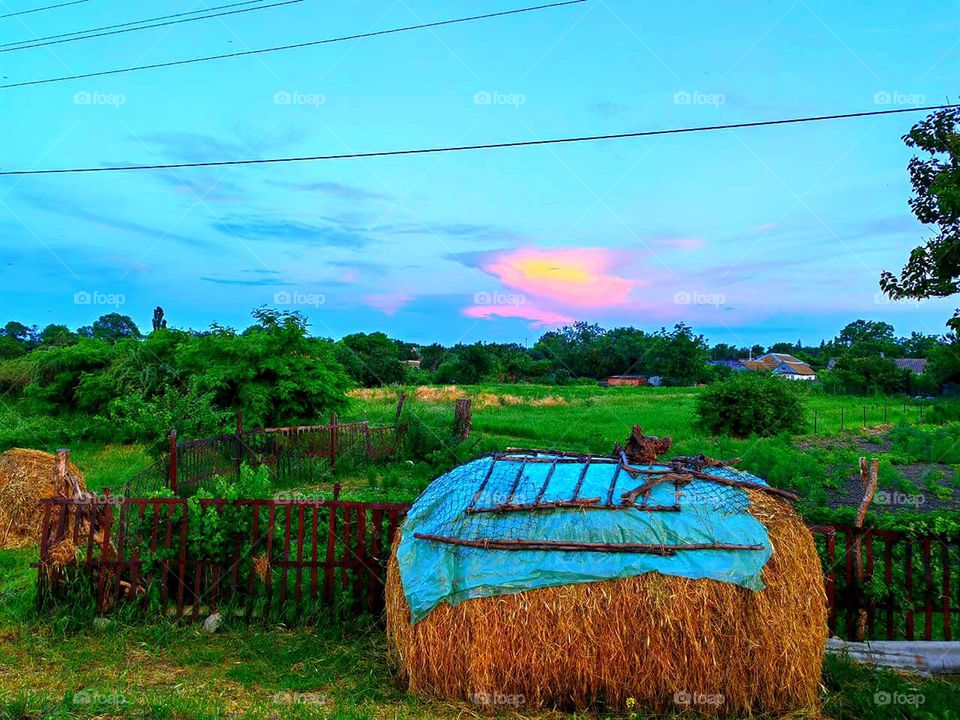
(914, 365)
(735, 365)
(628, 380)
(784, 365)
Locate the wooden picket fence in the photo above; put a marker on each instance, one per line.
(910, 588)
(286, 555)
(290, 556)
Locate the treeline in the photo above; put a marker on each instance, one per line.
(138, 384)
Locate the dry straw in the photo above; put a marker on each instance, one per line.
(26, 477)
(669, 643)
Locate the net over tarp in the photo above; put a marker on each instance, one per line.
(512, 522)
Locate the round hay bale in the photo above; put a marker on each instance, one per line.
(26, 477)
(657, 641)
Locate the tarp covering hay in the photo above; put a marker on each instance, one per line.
(559, 580)
(26, 477)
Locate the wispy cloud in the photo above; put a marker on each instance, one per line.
(291, 232)
(334, 189)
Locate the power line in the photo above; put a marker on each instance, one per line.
(128, 24)
(47, 7)
(147, 27)
(485, 146)
(294, 46)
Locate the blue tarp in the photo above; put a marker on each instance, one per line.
(434, 572)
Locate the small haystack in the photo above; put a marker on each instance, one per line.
(26, 476)
(692, 630)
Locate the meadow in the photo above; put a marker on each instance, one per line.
(67, 664)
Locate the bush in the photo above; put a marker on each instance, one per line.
(752, 403)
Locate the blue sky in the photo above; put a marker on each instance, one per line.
(750, 236)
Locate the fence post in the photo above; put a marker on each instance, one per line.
(400, 402)
(173, 461)
(60, 470)
(868, 482)
(239, 441)
(333, 441)
(462, 419)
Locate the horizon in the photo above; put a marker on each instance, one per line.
(751, 236)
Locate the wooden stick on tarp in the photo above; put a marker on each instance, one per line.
(868, 482)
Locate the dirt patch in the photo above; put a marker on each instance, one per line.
(934, 490)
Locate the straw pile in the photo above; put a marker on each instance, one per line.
(663, 643)
(26, 476)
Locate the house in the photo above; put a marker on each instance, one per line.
(914, 365)
(784, 365)
(629, 380)
(735, 365)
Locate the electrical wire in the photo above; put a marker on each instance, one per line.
(155, 25)
(47, 7)
(294, 46)
(485, 146)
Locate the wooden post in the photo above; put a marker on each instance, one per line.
(333, 441)
(400, 402)
(239, 441)
(173, 461)
(61, 485)
(462, 419)
(868, 481)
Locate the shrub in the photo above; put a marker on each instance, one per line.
(752, 403)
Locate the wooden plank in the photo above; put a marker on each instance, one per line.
(831, 582)
(945, 590)
(888, 581)
(908, 570)
(375, 576)
(928, 590)
(361, 557)
(286, 555)
(546, 481)
(331, 551)
(314, 552)
(583, 475)
(299, 585)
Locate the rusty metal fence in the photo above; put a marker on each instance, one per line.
(296, 455)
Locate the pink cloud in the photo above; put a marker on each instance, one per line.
(579, 277)
(387, 303)
(526, 311)
(349, 276)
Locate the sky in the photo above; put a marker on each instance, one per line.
(750, 236)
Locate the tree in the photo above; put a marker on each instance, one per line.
(371, 359)
(918, 345)
(467, 365)
(866, 338)
(679, 356)
(933, 268)
(114, 327)
(159, 322)
(57, 336)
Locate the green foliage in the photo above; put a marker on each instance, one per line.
(926, 443)
(371, 359)
(467, 365)
(678, 356)
(273, 372)
(65, 378)
(752, 403)
(870, 375)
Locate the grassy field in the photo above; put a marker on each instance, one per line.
(68, 665)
